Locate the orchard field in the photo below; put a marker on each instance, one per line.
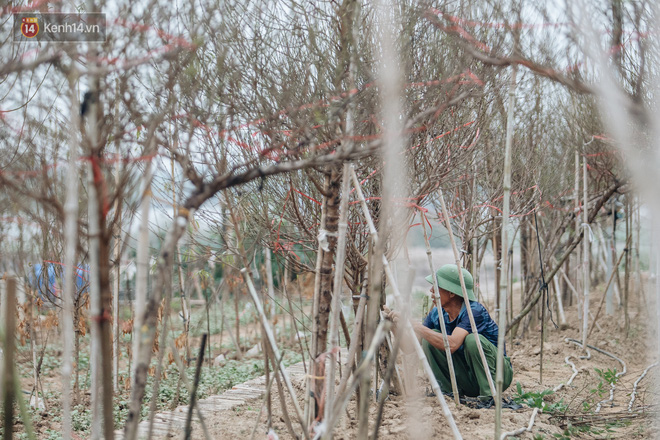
(207, 212)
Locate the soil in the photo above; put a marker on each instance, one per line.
(420, 416)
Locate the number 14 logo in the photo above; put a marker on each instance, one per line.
(30, 27)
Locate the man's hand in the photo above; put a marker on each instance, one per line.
(391, 315)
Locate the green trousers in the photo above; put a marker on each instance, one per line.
(470, 375)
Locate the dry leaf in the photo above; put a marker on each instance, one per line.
(180, 342)
(127, 327)
(82, 325)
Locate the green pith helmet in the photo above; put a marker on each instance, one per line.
(448, 279)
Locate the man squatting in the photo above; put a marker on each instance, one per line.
(470, 375)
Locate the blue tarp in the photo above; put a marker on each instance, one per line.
(46, 279)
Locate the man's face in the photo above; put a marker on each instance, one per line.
(444, 296)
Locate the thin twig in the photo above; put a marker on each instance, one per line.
(193, 393)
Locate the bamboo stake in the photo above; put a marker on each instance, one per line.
(615, 268)
(371, 321)
(266, 398)
(95, 306)
(606, 266)
(626, 279)
(407, 327)
(264, 321)
(391, 369)
(468, 307)
(355, 340)
(638, 287)
(115, 305)
(270, 300)
(142, 264)
(509, 281)
(273, 345)
(576, 198)
(560, 305)
(504, 282)
(70, 242)
(475, 270)
(443, 327)
(271, 289)
(185, 307)
(363, 368)
(585, 257)
(117, 256)
(657, 282)
(338, 287)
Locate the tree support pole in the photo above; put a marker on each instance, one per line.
(504, 280)
(468, 307)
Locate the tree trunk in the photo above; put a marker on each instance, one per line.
(70, 337)
(331, 201)
(142, 264)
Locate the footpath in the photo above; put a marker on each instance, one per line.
(171, 424)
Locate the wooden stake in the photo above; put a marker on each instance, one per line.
(443, 327)
(504, 278)
(355, 340)
(626, 279)
(475, 268)
(142, 263)
(585, 256)
(560, 305)
(468, 307)
(117, 256)
(70, 269)
(271, 290)
(95, 306)
(273, 346)
(576, 198)
(615, 268)
(407, 328)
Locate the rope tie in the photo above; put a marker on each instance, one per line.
(591, 233)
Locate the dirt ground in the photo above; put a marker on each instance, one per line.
(418, 417)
